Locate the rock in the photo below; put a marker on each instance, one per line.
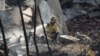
(94, 14)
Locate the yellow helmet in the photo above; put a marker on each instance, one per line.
(53, 18)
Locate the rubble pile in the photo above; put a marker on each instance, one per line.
(84, 17)
(86, 26)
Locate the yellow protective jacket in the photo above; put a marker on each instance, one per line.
(51, 28)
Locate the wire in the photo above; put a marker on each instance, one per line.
(4, 38)
(45, 33)
(34, 23)
(34, 19)
(25, 35)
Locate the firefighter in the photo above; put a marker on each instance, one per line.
(52, 29)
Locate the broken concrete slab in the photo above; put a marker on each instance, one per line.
(67, 39)
(46, 11)
(91, 2)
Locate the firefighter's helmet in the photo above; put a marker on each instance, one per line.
(53, 18)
